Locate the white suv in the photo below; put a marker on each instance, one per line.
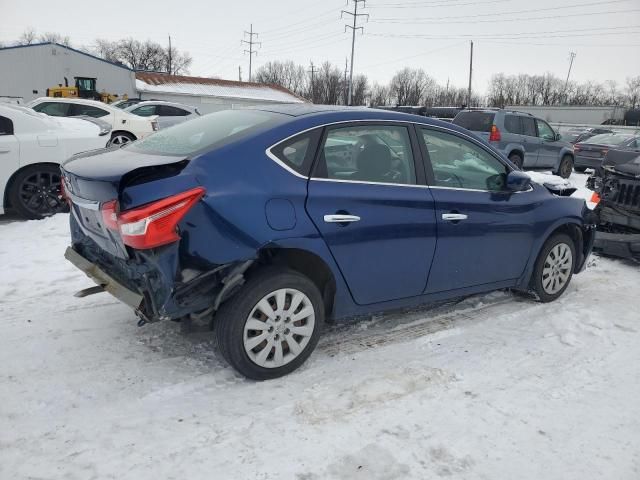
(125, 127)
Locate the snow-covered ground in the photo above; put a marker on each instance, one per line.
(493, 387)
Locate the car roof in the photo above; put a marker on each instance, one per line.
(80, 101)
(161, 102)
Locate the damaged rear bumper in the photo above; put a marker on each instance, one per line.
(103, 279)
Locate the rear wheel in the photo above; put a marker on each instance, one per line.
(516, 159)
(35, 192)
(120, 138)
(271, 326)
(554, 268)
(566, 167)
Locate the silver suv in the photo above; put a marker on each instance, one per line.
(527, 141)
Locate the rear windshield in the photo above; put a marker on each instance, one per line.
(475, 121)
(609, 139)
(204, 132)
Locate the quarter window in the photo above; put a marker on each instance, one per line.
(169, 111)
(378, 154)
(459, 163)
(297, 153)
(55, 109)
(6, 126)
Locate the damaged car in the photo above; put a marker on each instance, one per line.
(270, 221)
(616, 184)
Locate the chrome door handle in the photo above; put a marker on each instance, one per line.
(5, 150)
(338, 218)
(454, 217)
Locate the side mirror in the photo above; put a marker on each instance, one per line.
(518, 181)
(557, 136)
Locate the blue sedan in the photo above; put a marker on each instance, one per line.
(272, 221)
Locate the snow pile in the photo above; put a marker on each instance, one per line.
(496, 386)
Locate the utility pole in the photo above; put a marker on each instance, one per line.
(572, 55)
(353, 28)
(239, 73)
(346, 60)
(170, 69)
(470, 76)
(251, 43)
(313, 84)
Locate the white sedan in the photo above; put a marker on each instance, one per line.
(32, 145)
(125, 127)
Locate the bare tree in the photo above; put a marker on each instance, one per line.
(286, 74)
(54, 37)
(360, 90)
(180, 61)
(28, 37)
(633, 91)
(329, 85)
(380, 95)
(408, 86)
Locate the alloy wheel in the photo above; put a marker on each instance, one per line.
(279, 328)
(119, 140)
(40, 193)
(557, 268)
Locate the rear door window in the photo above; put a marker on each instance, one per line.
(55, 109)
(368, 153)
(475, 121)
(169, 111)
(544, 130)
(512, 124)
(528, 126)
(145, 111)
(88, 110)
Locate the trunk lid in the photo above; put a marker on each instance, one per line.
(94, 178)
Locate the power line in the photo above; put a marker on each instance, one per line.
(251, 43)
(438, 3)
(353, 28)
(499, 14)
(494, 20)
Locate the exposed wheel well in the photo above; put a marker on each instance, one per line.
(515, 150)
(6, 200)
(308, 264)
(575, 233)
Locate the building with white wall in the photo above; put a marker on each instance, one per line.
(210, 94)
(27, 71)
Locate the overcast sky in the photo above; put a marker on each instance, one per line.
(510, 36)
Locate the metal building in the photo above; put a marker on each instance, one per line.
(27, 71)
(210, 94)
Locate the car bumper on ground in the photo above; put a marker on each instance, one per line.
(103, 279)
(625, 245)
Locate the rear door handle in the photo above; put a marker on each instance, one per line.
(339, 218)
(5, 150)
(454, 217)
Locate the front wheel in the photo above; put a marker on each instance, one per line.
(271, 326)
(566, 167)
(516, 159)
(554, 268)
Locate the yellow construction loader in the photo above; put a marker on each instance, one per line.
(85, 87)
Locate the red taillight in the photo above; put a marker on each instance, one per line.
(577, 148)
(63, 191)
(151, 225)
(604, 151)
(494, 136)
(110, 215)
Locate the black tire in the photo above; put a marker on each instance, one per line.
(232, 316)
(566, 167)
(120, 138)
(538, 276)
(35, 192)
(516, 159)
(580, 169)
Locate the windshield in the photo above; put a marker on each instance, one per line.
(204, 132)
(609, 139)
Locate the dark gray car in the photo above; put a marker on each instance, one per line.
(591, 152)
(527, 141)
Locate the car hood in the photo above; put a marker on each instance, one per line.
(621, 161)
